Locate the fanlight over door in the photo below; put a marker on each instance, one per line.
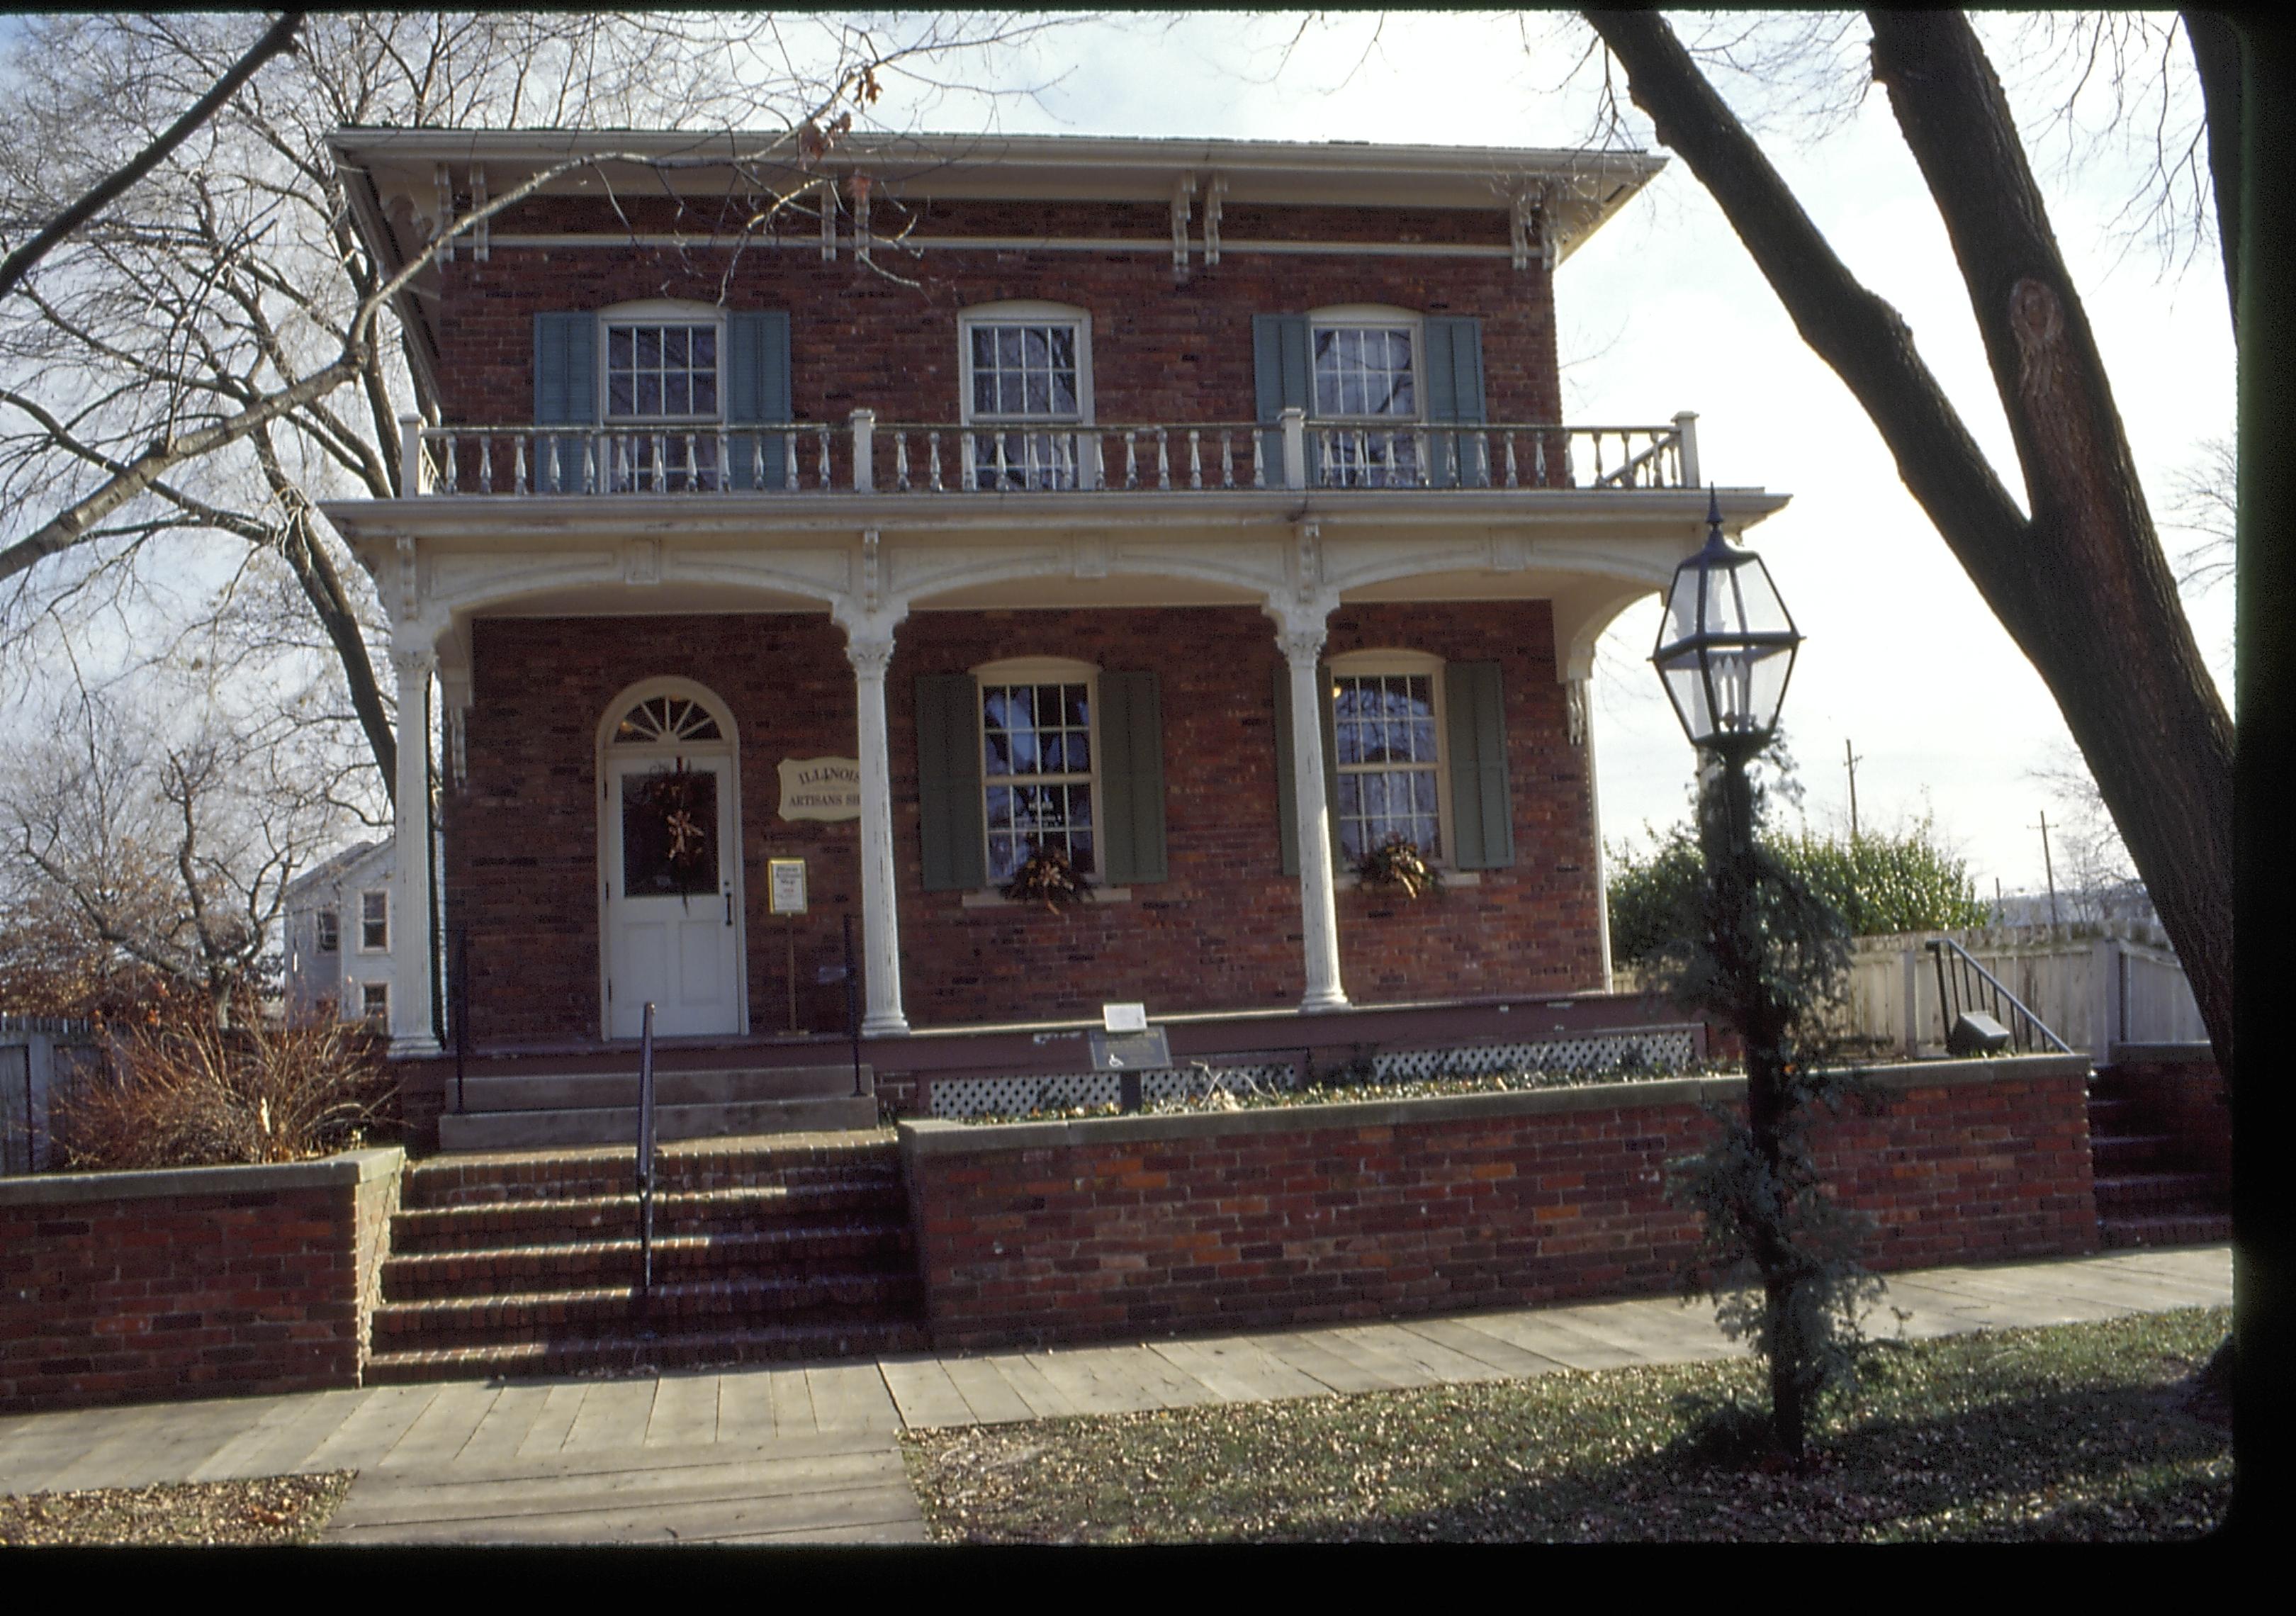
(670, 842)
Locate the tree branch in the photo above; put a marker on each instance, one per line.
(20, 262)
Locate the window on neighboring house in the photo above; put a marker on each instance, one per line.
(661, 376)
(1387, 728)
(1026, 366)
(375, 921)
(330, 932)
(1036, 770)
(374, 1002)
(1366, 401)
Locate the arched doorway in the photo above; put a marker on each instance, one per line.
(669, 850)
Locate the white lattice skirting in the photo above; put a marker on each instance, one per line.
(1668, 1049)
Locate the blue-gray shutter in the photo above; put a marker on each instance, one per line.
(1287, 816)
(757, 390)
(565, 394)
(1483, 818)
(1131, 766)
(948, 783)
(1454, 393)
(1282, 379)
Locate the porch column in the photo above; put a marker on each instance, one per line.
(411, 1032)
(1302, 636)
(881, 935)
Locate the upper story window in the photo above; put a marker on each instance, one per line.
(1365, 395)
(1037, 769)
(659, 369)
(1388, 735)
(330, 932)
(1023, 364)
(375, 921)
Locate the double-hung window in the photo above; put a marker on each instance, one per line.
(374, 923)
(663, 396)
(1036, 764)
(1386, 730)
(329, 931)
(1366, 404)
(1026, 371)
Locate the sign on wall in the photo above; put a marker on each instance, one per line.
(821, 788)
(785, 886)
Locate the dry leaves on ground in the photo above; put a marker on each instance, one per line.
(274, 1509)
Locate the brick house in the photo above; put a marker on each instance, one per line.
(1201, 511)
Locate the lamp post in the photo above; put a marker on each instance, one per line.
(1726, 651)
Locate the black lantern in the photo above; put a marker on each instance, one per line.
(1726, 646)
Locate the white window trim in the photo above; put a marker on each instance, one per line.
(1024, 313)
(381, 1012)
(1358, 663)
(658, 311)
(1042, 670)
(319, 918)
(363, 946)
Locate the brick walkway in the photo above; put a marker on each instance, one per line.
(807, 1452)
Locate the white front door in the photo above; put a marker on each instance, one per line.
(673, 920)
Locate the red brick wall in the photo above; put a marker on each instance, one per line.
(1222, 932)
(1273, 1218)
(1161, 351)
(141, 1288)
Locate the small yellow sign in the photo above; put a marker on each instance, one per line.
(785, 886)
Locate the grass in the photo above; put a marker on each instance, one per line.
(2079, 1432)
(274, 1510)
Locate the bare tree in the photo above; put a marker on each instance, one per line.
(2083, 578)
(141, 842)
(184, 380)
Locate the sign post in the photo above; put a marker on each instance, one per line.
(785, 896)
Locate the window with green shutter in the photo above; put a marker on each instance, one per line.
(658, 384)
(1378, 386)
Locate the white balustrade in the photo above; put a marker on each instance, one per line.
(1026, 457)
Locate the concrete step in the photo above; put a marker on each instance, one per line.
(747, 1209)
(633, 1353)
(2121, 1154)
(680, 1166)
(610, 1125)
(2166, 1229)
(2142, 1194)
(872, 1247)
(586, 1312)
(601, 1090)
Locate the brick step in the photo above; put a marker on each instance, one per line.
(2166, 1229)
(479, 1225)
(595, 1090)
(482, 1274)
(2140, 1194)
(548, 1316)
(2110, 1114)
(686, 1165)
(500, 1130)
(2119, 1155)
(696, 1350)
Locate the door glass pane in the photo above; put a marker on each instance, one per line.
(670, 832)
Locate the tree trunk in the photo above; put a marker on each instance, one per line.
(2216, 52)
(2082, 587)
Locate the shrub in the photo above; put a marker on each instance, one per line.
(1878, 883)
(181, 1092)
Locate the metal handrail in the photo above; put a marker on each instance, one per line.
(645, 1158)
(1971, 979)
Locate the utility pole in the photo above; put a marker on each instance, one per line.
(1852, 760)
(2048, 869)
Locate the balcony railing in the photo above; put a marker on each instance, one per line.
(863, 456)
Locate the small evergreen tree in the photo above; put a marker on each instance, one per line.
(1758, 944)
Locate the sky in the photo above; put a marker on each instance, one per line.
(1663, 311)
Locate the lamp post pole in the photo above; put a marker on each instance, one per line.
(1726, 651)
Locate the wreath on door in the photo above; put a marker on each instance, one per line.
(677, 795)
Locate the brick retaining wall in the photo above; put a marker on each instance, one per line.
(126, 1287)
(1139, 1226)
